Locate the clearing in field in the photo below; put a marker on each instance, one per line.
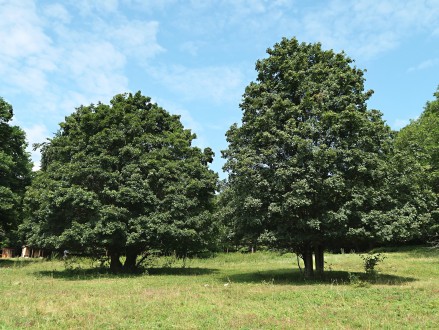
(234, 291)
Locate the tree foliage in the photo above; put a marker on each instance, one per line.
(309, 166)
(15, 173)
(420, 140)
(125, 178)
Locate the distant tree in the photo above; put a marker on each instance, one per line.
(15, 174)
(420, 139)
(226, 212)
(309, 166)
(122, 177)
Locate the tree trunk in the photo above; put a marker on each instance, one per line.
(130, 261)
(320, 261)
(115, 264)
(307, 260)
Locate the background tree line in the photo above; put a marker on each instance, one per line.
(309, 168)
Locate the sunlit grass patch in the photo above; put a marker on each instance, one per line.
(246, 291)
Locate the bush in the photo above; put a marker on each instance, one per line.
(370, 261)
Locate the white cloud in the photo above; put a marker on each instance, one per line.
(53, 61)
(90, 58)
(36, 133)
(20, 30)
(26, 53)
(31, 79)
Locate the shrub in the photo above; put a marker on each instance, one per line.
(370, 261)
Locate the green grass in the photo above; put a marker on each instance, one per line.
(230, 291)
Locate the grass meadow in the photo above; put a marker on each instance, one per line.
(264, 290)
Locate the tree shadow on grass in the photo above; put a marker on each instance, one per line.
(99, 273)
(295, 277)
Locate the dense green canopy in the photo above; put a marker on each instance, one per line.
(420, 139)
(15, 172)
(122, 177)
(309, 166)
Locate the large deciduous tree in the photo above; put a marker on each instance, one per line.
(420, 139)
(15, 173)
(309, 165)
(125, 178)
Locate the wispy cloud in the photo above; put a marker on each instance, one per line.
(425, 65)
(220, 84)
(56, 60)
(87, 8)
(26, 54)
(57, 55)
(92, 58)
(367, 28)
(136, 38)
(57, 12)
(190, 47)
(21, 30)
(149, 6)
(364, 28)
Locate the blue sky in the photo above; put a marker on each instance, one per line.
(194, 58)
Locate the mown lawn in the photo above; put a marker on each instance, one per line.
(230, 291)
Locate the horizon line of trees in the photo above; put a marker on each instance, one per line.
(310, 168)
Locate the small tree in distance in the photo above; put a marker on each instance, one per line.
(308, 165)
(123, 178)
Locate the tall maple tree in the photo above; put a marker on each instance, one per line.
(309, 165)
(125, 178)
